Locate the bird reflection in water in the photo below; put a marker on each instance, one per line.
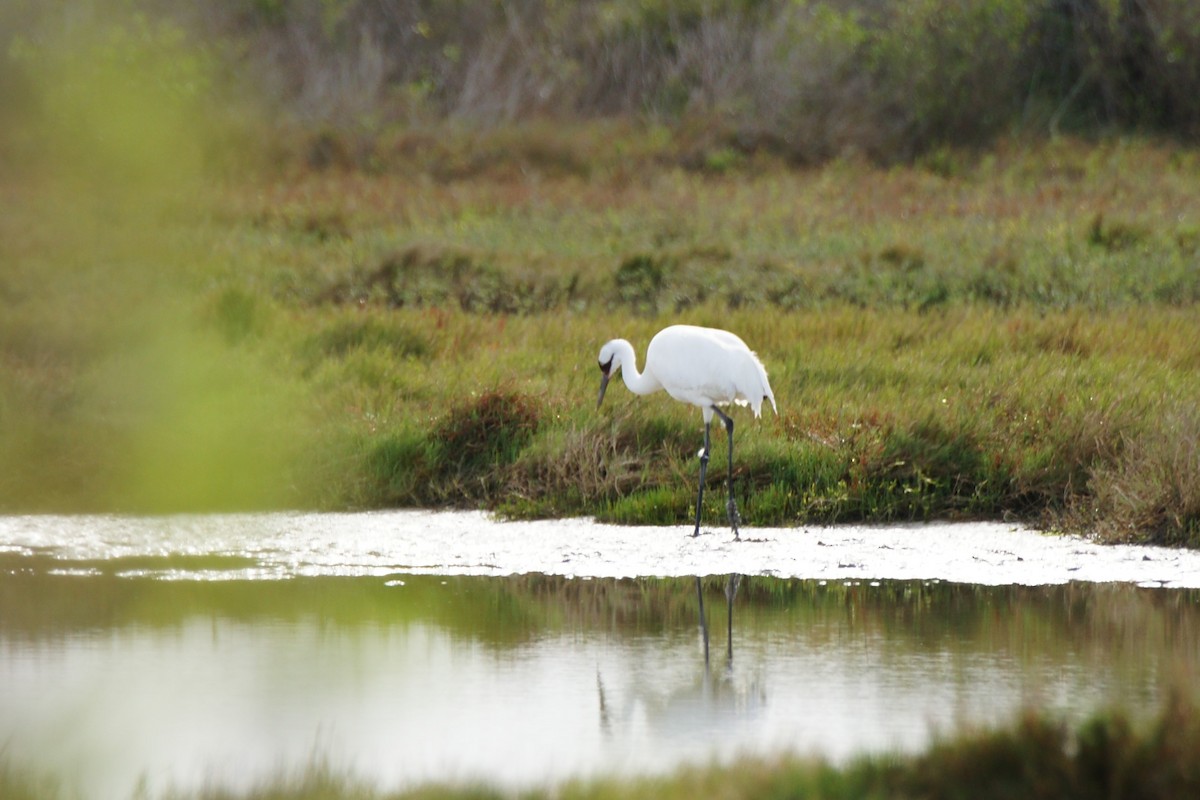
(677, 706)
(731, 590)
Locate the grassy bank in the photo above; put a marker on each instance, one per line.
(1011, 335)
(196, 318)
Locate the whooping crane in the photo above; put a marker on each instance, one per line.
(706, 367)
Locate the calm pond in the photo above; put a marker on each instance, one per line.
(117, 684)
(143, 674)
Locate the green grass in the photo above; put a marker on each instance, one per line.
(982, 346)
(1005, 333)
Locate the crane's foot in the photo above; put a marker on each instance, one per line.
(735, 519)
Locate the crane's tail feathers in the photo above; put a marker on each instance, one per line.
(757, 407)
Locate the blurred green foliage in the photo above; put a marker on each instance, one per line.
(116, 393)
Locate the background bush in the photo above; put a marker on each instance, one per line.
(811, 80)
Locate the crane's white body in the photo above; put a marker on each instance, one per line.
(704, 367)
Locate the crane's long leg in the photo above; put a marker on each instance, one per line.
(703, 472)
(731, 508)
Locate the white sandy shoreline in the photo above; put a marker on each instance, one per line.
(278, 545)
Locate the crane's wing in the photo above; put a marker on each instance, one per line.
(707, 366)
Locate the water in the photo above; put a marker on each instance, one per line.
(141, 672)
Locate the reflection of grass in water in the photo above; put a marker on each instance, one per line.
(1124, 631)
(1109, 755)
(1119, 630)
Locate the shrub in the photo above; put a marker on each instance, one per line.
(366, 332)
(810, 80)
(420, 277)
(1152, 491)
(476, 440)
(463, 459)
(638, 282)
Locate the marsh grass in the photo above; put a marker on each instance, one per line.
(999, 334)
(897, 415)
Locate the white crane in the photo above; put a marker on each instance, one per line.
(706, 367)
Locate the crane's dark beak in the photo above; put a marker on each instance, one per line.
(605, 374)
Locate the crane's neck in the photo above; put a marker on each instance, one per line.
(636, 382)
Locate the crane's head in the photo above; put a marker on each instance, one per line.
(609, 366)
